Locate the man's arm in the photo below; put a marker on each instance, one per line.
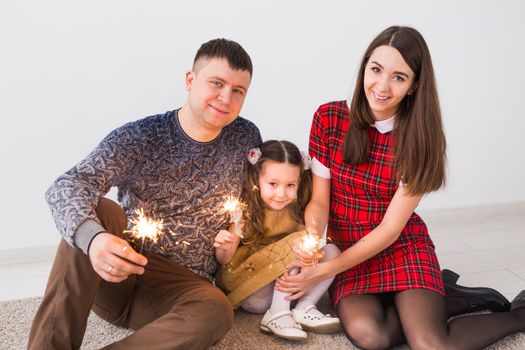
(74, 195)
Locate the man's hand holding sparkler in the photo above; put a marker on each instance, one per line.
(114, 259)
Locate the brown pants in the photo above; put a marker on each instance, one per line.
(169, 307)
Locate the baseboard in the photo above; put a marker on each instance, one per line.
(486, 210)
(21, 257)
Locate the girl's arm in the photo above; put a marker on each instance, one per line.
(399, 211)
(316, 212)
(226, 243)
(315, 217)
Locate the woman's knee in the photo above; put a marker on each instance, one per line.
(428, 342)
(366, 334)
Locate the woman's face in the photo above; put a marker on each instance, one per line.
(388, 79)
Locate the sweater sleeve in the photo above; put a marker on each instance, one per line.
(74, 195)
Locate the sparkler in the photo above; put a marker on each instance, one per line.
(310, 243)
(234, 207)
(145, 227)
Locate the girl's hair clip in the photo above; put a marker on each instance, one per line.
(307, 160)
(253, 155)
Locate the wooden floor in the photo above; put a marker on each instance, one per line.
(486, 245)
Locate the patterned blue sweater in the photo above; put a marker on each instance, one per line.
(157, 167)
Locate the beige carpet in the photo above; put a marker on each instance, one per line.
(16, 316)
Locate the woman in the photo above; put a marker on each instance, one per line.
(373, 162)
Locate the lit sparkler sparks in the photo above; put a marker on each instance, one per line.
(310, 243)
(234, 207)
(145, 227)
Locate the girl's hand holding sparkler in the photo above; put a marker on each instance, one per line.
(307, 249)
(225, 244)
(234, 208)
(114, 259)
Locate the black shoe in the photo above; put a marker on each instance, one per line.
(474, 298)
(519, 301)
(449, 276)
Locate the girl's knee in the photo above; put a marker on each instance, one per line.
(256, 305)
(330, 252)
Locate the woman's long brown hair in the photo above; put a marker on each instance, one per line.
(420, 146)
(277, 151)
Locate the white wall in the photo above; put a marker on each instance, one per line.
(72, 71)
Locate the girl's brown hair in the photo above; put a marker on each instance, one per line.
(277, 151)
(419, 138)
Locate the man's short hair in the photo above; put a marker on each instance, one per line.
(231, 51)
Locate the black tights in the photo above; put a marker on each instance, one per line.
(419, 318)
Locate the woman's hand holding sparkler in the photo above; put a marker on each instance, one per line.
(114, 259)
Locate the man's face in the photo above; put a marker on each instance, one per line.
(216, 93)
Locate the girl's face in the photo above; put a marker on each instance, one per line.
(388, 79)
(278, 183)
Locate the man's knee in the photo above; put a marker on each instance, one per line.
(215, 311)
(222, 310)
(112, 216)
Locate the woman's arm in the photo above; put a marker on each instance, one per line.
(387, 232)
(399, 211)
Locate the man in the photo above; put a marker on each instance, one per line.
(179, 167)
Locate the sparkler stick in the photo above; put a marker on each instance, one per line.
(234, 208)
(144, 227)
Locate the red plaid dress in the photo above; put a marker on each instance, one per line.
(359, 197)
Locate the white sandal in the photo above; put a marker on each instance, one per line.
(269, 324)
(316, 321)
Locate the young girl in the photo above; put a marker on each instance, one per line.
(276, 191)
(374, 159)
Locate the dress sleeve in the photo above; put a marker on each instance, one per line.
(318, 145)
(320, 170)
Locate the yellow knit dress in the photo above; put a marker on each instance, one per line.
(257, 264)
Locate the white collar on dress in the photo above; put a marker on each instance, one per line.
(383, 126)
